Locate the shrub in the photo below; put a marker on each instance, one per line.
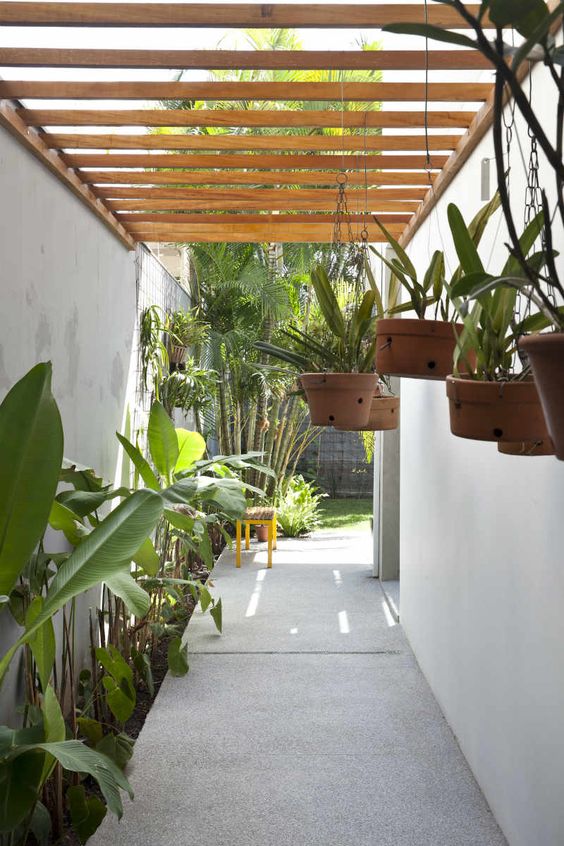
(297, 507)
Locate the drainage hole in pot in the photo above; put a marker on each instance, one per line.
(431, 365)
(498, 432)
(331, 418)
(359, 400)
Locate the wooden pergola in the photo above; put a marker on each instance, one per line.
(185, 185)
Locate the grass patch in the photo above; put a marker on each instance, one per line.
(345, 514)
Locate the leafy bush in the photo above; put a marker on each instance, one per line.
(298, 507)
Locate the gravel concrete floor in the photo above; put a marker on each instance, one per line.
(307, 723)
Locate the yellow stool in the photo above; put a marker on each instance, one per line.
(256, 517)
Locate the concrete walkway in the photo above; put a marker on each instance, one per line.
(307, 723)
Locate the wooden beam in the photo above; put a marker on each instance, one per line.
(186, 217)
(230, 177)
(33, 142)
(309, 143)
(224, 15)
(253, 91)
(295, 203)
(48, 57)
(479, 127)
(271, 196)
(267, 233)
(244, 118)
(253, 162)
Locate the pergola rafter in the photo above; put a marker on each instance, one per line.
(266, 171)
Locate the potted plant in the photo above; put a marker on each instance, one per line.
(493, 403)
(420, 347)
(184, 330)
(336, 365)
(384, 411)
(537, 23)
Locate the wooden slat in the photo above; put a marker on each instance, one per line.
(235, 160)
(229, 177)
(243, 59)
(245, 15)
(186, 217)
(243, 118)
(285, 233)
(271, 196)
(33, 142)
(296, 203)
(311, 143)
(253, 91)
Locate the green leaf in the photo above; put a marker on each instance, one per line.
(468, 284)
(119, 698)
(86, 812)
(435, 33)
(217, 615)
(118, 747)
(191, 448)
(43, 645)
(163, 443)
(20, 781)
(401, 255)
(147, 558)
(40, 824)
(180, 521)
(526, 16)
(105, 552)
(142, 664)
(327, 301)
(142, 466)
(136, 599)
(31, 453)
(92, 730)
(62, 519)
(78, 758)
(464, 245)
(177, 657)
(54, 727)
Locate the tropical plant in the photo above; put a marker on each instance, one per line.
(31, 461)
(433, 289)
(185, 329)
(536, 22)
(152, 348)
(297, 505)
(491, 328)
(348, 340)
(189, 389)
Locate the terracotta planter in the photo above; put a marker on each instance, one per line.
(495, 411)
(339, 399)
(177, 354)
(546, 355)
(527, 448)
(384, 415)
(421, 349)
(261, 533)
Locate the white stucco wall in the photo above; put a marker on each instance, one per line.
(482, 569)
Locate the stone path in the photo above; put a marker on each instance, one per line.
(307, 723)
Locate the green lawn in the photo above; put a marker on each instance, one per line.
(346, 514)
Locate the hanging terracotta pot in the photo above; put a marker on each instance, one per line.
(384, 415)
(177, 354)
(495, 411)
(527, 448)
(546, 356)
(339, 399)
(421, 349)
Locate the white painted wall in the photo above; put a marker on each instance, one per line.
(482, 571)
